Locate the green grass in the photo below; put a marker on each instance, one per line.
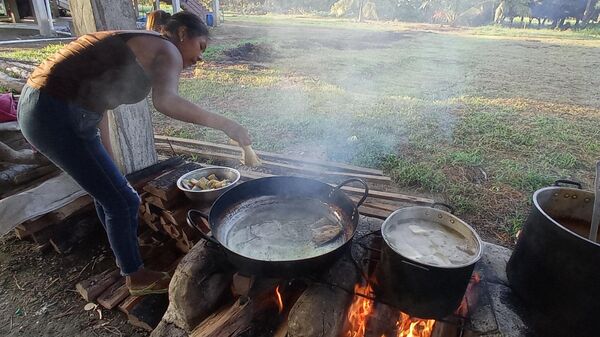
(31, 55)
(592, 32)
(479, 118)
(480, 122)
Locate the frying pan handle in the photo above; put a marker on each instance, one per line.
(568, 182)
(450, 208)
(346, 182)
(193, 224)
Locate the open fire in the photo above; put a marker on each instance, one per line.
(279, 300)
(362, 308)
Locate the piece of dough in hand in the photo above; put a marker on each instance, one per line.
(249, 157)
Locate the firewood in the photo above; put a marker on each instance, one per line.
(150, 216)
(237, 318)
(166, 204)
(114, 294)
(20, 173)
(321, 309)
(139, 179)
(25, 156)
(199, 286)
(382, 322)
(91, 288)
(165, 186)
(147, 312)
(79, 205)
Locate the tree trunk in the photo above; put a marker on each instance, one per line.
(589, 12)
(361, 5)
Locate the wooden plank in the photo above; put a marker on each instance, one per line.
(114, 294)
(140, 178)
(354, 191)
(91, 288)
(164, 186)
(81, 204)
(234, 160)
(272, 156)
(177, 200)
(129, 303)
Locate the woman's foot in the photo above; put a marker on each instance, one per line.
(145, 281)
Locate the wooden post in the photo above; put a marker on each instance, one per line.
(176, 6)
(43, 17)
(216, 9)
(14, 11)
(130, 124)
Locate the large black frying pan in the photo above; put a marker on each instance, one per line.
(282, 226)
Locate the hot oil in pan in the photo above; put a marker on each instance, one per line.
(276, 229)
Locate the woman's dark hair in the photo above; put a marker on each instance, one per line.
(157, 20)
(195, 26)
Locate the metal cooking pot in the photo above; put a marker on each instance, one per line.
(554, 268)
(274, 226)
(421, 288)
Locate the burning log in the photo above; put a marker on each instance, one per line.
(238, 318)
(382, 321)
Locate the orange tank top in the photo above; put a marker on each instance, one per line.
(97, 71)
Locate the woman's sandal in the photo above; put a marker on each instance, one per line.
(148, 290)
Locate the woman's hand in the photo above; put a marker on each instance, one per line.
(238, 133)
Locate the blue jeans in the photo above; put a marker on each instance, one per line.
(68, 135)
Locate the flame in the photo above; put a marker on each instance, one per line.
(361, 308)
(279, 300)
(359, 311)
(463, 308)
(414, 327)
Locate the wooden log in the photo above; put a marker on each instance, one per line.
(91, 288)
(20, 173)
(334, 166)
(151, 216)
(282, 168)
(28, 185)
(198, 287)
(148, 311)
(129, 303)
(321, 309)
(164, 186)
(114, 294)
(140, 178)
(237, 318)
(382, 322)
(61, 220)
(25, 156)
(166, 204)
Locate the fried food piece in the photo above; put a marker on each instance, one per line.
(326, 232)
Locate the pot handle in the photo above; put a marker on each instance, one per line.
(568, 182)
(192, 223)
(346, 182)
(450, 208)
(414, 265)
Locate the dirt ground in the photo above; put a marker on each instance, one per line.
(38, 297)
